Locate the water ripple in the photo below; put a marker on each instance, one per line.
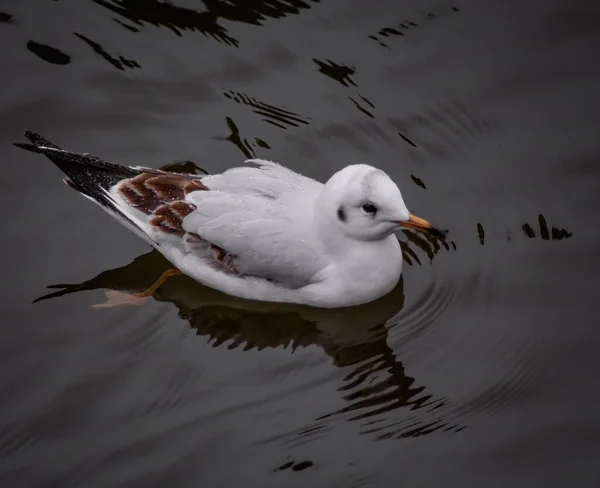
(444, 130)
(513, 387)
(425, 308)
(276, 116)
(14, 440)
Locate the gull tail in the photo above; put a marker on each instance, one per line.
(89, 175)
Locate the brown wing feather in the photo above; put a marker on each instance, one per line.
(169, 217)
(149, 191)
(162, 197)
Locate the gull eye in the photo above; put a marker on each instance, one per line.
(369, 208)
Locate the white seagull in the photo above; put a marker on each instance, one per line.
(261, 231)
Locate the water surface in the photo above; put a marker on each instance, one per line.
(479, 369)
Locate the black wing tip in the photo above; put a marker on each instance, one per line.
(25, 145)
(31, 136)
(36, 141)
(47, 150)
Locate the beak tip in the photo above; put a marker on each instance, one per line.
(441, 233)
(418, 223)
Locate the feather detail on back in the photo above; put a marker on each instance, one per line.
(266, 178)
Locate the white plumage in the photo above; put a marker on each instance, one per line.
(260, 231)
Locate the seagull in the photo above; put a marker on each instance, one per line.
(259, 231)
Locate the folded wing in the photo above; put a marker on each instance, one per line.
(260, 235)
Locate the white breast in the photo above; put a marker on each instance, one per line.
(370, 270)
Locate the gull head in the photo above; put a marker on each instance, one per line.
(363, 203)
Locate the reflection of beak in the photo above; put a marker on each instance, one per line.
(418, 223)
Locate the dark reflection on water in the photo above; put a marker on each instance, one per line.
(296, 466)
(355, 338)
(184, 167)
(481, 233)
(48, 53)
(119, 63)
(416, 19)
(246, 147)
(179, 19)
(406, 139)
(6, 18)
(429, 244)
(555, 233)
(418, 181)
(338, 72)
(361, 108)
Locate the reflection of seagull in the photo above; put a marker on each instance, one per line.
(224, 317)
(378, 393)
(261, 232)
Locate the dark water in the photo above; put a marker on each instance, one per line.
(480, 369)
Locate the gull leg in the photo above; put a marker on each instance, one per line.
(117, 298)
(159, 282)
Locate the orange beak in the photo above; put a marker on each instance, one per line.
(418, 223)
